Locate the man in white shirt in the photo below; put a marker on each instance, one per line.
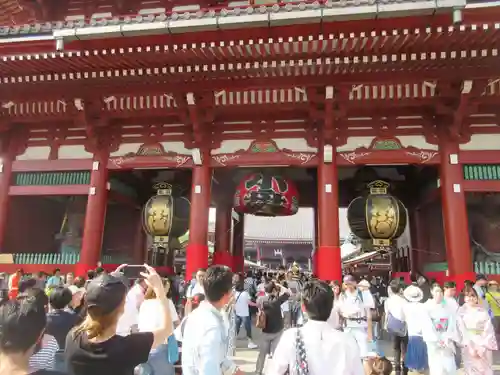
(327, 350)
(242, 301)
(197, 288)
(394, 308)
(355, 310)
(194, 289)
(205, 339)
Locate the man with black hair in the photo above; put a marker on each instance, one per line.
(45, 353)
(22, 325)
(60, 320)
(205, 340)
(319, 347)
(395, 324)
(99, 271)
(55, 279)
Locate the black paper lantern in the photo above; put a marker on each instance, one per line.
(377, 215)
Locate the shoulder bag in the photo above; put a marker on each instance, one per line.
(301, 365)
(261, 319)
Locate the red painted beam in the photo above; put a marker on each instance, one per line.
(480, 156)
(481, 186)
(52, 165)
(50, 190)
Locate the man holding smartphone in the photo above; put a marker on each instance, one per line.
(127, 323)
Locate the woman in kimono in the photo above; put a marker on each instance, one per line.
(477, 337)
(440, 334)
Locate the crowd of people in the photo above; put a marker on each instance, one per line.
(109, 324)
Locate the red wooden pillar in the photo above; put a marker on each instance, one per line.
(239, 245)
(328, 260)
(456, 229)
(197, 249)
(5, 180)
(95, 214)
(223, 220)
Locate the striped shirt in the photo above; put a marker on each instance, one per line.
(44, 359)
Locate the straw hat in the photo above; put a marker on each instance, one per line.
(413, 294)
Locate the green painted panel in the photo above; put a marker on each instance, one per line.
(436, 267)
(51, 178)
(482, 172)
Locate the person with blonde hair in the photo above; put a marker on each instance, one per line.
(149, 320)
(94, 347)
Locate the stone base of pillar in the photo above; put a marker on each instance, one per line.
(196, 258)
(238, 263)
(223, 258)
(328, 263)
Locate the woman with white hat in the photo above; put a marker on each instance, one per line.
(416, 354)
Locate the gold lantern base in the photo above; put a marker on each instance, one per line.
(160, 240)
(381, 244)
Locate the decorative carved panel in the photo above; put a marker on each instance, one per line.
(265, 152)
(387, 150)
(150, 155)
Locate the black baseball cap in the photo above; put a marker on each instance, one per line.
(105, 293)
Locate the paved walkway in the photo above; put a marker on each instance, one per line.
(246, 358)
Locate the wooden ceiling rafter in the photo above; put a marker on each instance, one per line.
(302, 75)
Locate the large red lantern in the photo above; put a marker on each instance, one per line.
(265, 194)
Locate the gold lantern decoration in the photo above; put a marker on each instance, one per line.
(165, 218)
(377, 215)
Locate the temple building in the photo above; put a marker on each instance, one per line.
(123, 122)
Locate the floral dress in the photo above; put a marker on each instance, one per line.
(477, 339)
(440, 334)
(230, 322)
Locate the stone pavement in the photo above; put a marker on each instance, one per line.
(246, 358)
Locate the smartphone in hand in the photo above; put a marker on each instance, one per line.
(134, 271)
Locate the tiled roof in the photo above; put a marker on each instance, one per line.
(228, 16)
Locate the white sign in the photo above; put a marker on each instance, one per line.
(278, 252)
